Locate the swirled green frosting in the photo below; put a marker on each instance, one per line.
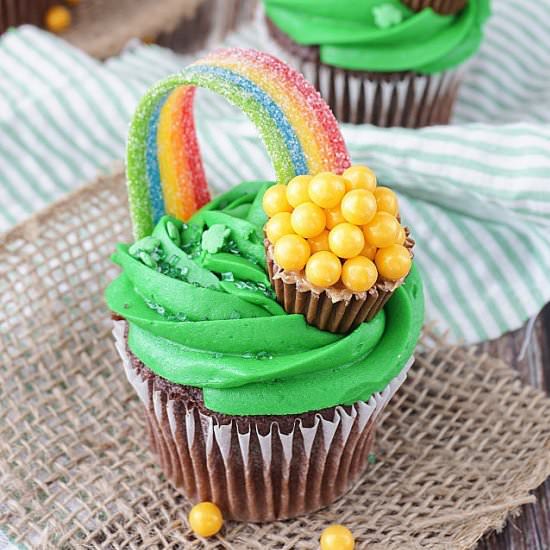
(382, 35)
(201, 312)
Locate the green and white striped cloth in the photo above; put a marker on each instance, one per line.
(477, 193)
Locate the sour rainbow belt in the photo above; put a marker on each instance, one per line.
(164, 167)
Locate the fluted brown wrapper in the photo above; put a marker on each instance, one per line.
(320, 311)
(403, 98)
(445, 7)
(256, 468)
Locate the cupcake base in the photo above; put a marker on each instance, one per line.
(256, 468)
(406, 98)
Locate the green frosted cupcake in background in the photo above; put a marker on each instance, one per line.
(380, 61)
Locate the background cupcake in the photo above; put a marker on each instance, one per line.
(379, 61)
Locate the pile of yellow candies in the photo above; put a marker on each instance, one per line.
(339, 228)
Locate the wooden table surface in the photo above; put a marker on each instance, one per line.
(531, 529)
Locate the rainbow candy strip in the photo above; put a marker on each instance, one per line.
(164, 167)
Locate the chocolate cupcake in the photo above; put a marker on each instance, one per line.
(247, 405)
(379, 62)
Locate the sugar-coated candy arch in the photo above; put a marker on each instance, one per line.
(164, 167)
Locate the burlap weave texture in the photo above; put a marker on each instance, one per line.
(461, 445)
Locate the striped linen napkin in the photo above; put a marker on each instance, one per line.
(477, 193)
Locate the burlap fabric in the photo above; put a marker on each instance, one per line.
(461, 444)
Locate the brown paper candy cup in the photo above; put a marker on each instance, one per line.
(318, 308)
(256, 469)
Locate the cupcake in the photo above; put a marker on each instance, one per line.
(335, 249)
(247, 405)
(382, 62)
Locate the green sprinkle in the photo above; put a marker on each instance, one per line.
(147, 259)
(173, 232)
(214, 238)
(371, 458)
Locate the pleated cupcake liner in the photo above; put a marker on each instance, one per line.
(255, 473)
(406, 99)
(444, 7)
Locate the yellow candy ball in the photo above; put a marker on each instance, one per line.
(346, 240)
(359, 274)
(360, 177)
(323, 269)
(393, 262)
(57, 19)
(337, 537)
(358, 206)
(369, 251)
(319, 243)
(278, 226)
(401, 236)
(334, 216)
(275, 201)
(382, 230)
(205, 519)
(297, 190)
(386, 200)
(308, 220)
(327, 189)
(291, 252)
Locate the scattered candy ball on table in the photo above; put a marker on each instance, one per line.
(297, 190)
(323, 269)
(308, 220)
(57, 19)
(359, 274)
(278, 226)
(319, 243)
(393, 262)
(337, 537)
(291, 252)
(341, 230)
(205, 519)
(275, 201)
(359, 177)
(327, 189)
(346, 240)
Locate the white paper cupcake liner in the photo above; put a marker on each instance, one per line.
(253, 472)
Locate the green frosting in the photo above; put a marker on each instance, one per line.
(201, 312)
(382, 35)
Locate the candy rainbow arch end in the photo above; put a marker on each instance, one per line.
(164, 167)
